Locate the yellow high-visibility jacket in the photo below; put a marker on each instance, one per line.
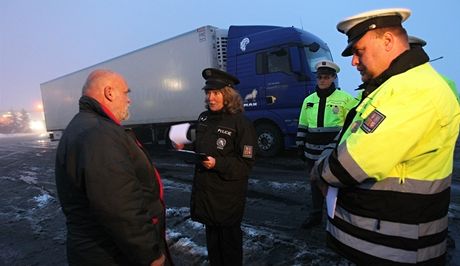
(321, 118)
(393, 167)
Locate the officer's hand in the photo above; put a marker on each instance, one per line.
(209, 163)
(178, 146)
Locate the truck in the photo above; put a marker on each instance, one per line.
(275, 66)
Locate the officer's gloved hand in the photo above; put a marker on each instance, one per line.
(300, 153)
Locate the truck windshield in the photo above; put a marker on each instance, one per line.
(316, 56)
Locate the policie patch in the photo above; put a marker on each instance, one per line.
(247, 152)
(372, 121)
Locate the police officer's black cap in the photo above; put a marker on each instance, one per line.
(416, 41)
(356, 26)
(218, 79)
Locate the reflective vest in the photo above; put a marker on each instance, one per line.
(393, 167)
(319, 122)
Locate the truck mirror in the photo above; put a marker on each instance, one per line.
(313, 47)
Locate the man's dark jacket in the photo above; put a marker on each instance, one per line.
(108, 191)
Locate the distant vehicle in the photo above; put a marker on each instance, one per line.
(274, 64)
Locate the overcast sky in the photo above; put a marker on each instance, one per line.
(44, 39)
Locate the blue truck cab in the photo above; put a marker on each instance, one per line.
(275, 66)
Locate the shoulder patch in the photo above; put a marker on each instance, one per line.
(372, 121)
(248, 151)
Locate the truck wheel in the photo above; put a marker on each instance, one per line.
(269, 140)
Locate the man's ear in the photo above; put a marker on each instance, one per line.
(108, 93)
(389, 40)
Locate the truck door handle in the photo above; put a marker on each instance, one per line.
(270, 99)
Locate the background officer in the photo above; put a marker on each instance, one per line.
(417, 43)
(321, 118)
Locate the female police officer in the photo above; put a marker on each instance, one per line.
(220, 183)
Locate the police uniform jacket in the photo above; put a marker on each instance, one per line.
(393, 167)
(321, 118)
(109, 193)
(219, 194)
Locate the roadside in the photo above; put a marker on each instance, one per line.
(32, 226)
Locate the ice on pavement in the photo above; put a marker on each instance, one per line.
(43, 200)
(290, 187)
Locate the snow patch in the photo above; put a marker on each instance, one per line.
(7, 178)
(177, 212)
(168, 184)
(195, 225)
(43, 200)
(279, 186)
(186, 245)
(29, 179)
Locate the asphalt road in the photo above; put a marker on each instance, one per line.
(32, 226)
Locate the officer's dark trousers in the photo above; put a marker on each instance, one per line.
(225, 245)
(317, 198)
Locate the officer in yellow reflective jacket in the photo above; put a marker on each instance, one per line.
(321, 118)
(393, 165)
(416, 42)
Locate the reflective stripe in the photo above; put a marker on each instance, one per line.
(346, 164)
(301, 134)
(319, 147)
(410, 185)
(412, 231)
(324, 129)
(311, 148)
(384, 252)
(327, 175)
(394, 254)
(435, 251)
(349, 164)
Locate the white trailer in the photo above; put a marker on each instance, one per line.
(164, 78)
(275, 66)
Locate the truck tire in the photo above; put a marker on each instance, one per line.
(269, 140)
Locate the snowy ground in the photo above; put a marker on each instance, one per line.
(32, 227)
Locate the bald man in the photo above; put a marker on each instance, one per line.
(109, 191)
